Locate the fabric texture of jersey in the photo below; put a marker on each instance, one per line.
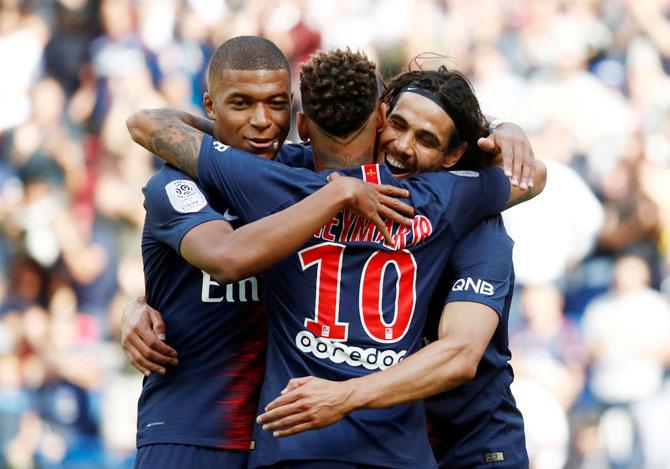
(168, 456)
(219, 331)
(327, 315)
(478, 424)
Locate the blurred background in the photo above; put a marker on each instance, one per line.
(588, 80)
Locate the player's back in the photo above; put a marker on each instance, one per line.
(345, 305)
(219, 331)
(360, 308)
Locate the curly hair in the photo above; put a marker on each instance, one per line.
(339, 90)
(458, 99)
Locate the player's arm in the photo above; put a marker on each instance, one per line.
(308, 403)
(173, 135)
(209, 243)
(513, 151)
(511, 148)
(143, 338)
(176, 137)
(465, 330)
(230, 256)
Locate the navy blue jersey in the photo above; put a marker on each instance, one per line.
(169, 456)
(298, 155)
(478, 423)
(347, 305)
(219, 331)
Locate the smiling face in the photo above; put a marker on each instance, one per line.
(251, 109)
(416, 137)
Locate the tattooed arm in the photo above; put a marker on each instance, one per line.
(175, 136)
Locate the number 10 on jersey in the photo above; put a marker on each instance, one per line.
(328, 259)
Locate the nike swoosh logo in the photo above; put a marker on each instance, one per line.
(229, 216)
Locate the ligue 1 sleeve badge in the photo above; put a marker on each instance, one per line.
(185, 196)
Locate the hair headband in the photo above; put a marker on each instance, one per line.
(425, 94)
(456, 139)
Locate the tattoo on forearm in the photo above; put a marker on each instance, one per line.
(175, 142)
(200, 123)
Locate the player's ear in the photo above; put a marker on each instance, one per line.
(208, 103)
(301, 123)
(381, 116)
(454, 156)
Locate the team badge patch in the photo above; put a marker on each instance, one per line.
(185, 196)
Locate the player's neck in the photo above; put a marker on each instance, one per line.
(345, 157)
(355, 149)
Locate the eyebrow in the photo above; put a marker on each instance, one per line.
(398, 117)
(239, 94)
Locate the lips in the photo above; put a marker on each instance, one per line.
(397, 167)
(262, 144)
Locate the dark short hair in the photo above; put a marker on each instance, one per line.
(247, 53)
(338, 90)
(458, 99)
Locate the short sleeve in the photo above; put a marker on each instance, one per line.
(175, 204)
(480, 267)
(477, 195)
(252, 186)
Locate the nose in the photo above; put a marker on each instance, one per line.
(403, 143)
(260, 118)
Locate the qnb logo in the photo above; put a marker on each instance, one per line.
(479, 286)
(339, 352)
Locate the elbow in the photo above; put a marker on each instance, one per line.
(463, 364)
(133, 124)
(224, 276)
(139, 126)
(540, 176)
(466, 371)
(228, 268)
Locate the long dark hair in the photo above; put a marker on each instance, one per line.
(458, 99)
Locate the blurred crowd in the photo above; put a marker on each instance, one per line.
(589, 80)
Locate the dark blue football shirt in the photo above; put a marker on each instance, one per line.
(478, 424)
(219, 331)
(346, 305)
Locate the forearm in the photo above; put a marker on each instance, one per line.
(255, 247)
(464, 332)
(436, 368)
(172, 135)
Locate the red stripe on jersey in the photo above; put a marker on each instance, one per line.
(245, 370)
(371, 173)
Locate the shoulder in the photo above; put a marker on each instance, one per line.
(444, 179)
(210, 143)
(490, 230)
(182, 192)
(486, 245)
(296, 155)
(167, 174)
